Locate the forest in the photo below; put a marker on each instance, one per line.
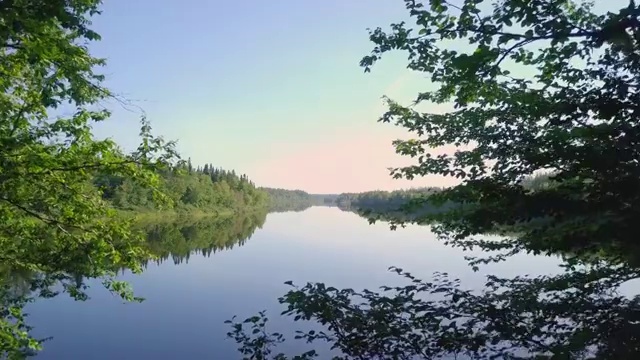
(381, 200)
(282, 200)
(187, 188)
(412, 204)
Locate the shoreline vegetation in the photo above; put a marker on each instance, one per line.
(186, 189)
(397, 205)
(283, 200)
(412, 205)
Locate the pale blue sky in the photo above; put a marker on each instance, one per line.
(245, 84)
(269, 88)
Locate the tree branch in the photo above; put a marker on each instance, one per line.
(40, 217)
(85, 166)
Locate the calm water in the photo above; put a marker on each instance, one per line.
(195, 289)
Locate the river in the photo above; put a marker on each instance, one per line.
(194, 289)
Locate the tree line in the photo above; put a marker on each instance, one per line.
(281, 200)
(205, 188)
(413, 204)
(380, 200)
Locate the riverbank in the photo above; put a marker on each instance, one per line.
(151, 216)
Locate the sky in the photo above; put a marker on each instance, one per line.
(272, 89)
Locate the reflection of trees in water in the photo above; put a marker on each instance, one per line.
(177, 240)
(15, 282)
(181, 239)
(19, 287)
(296, 207)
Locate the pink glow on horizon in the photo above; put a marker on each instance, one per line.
(350, 162)
(356, 159)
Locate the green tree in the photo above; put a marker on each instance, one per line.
(540, 85)
(289, 200)
(54, 220)
(191, 196)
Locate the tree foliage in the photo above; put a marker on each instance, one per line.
(566, 105)
(540, 85)
(282, 200)
(211, 190)
(397, 205)
(54, 220)
(414, 205)
(404, 201)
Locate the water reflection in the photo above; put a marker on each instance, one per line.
(182, 238)
(177, 239)
(189, 296)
